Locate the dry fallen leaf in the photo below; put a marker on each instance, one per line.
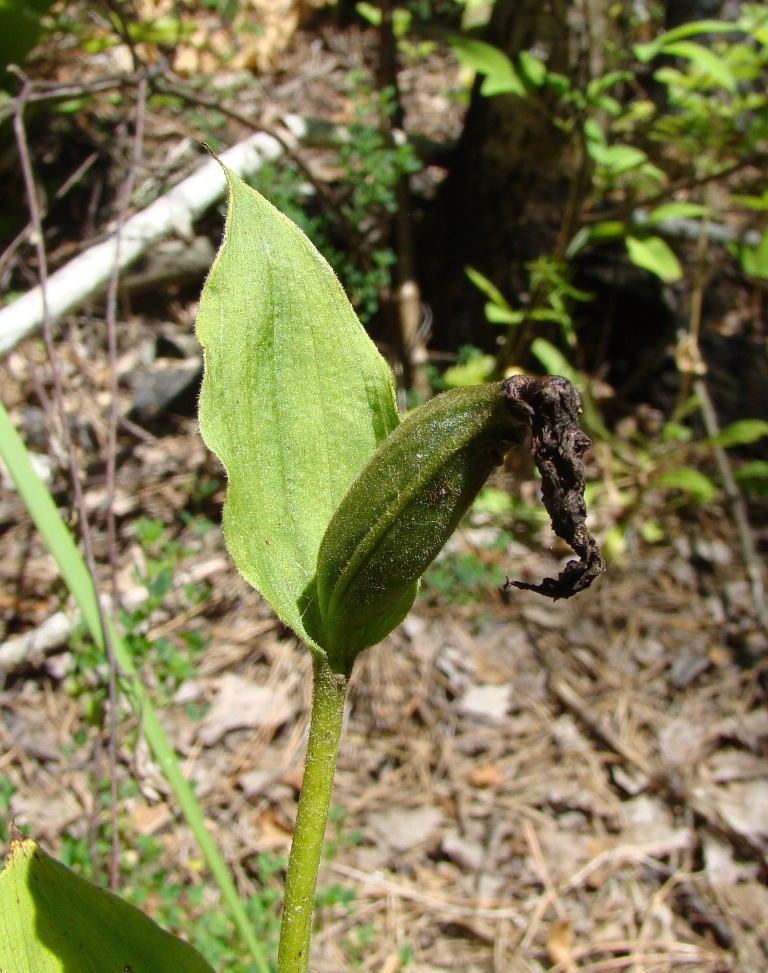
(486, 775)
(242, 704)
(560, 944)
(403, 830)
(487, 701)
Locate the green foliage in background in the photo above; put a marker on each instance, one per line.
(713, 118)
(20, 29)
(711, 121)
(353, 232)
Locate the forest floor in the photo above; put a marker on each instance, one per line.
(522, 786)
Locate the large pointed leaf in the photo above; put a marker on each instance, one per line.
(294, 401)
(53, 921)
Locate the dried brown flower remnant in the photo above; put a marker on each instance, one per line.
(552, 406)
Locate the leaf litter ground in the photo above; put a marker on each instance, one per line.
(522, 785)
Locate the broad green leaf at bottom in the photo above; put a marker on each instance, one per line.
(53, 921)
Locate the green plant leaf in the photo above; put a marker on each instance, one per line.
(20, 28)
(706, 61)
(593, 132)
(533, 69)
(369, 12)
(401, 510)
(754, 260)
(599, 85)
(740, 433)
(693, 482)
(617, 158)
(501, 315)
(295, 397)
(474, 372)
(607, 230)
(675, 211)
(646, 52)
(53, 921)
(653, 254)
(57, 538)
(554, 361)
(757, 203)
(500, 74)
(488, 288)
(401, 19)
(753, 477)
(651, 532)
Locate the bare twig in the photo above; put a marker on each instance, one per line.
(692, 375)
(111, 320)
(407, 298)
(58, 396)
(752, 561)
(38, 91)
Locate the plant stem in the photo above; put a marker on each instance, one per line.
(328, 694)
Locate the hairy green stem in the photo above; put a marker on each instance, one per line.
(328, 694)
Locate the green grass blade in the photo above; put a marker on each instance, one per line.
(74, 572)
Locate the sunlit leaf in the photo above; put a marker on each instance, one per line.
(477, 370)
(754, 260)
(753, 477)
(53, 921)
(488, 288)
(501, 315)
(740, 433)
(295, 398)
(675, 211)
(654, 255)
(646, 52)
(705, 61)
(501, 76)
(616, 158)
(533, 69)
(690, 481)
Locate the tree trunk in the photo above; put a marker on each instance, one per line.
(512, 173)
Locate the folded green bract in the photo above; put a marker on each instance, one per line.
(401, 510)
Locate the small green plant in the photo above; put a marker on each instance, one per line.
(20, 921)
(299, 406)
(334, 510)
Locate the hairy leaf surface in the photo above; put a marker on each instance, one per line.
(295, 397)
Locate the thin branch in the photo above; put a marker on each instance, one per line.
(692, 372)
(58, 396)
(38, 91)
(288, 143)
(626, 209)
(111, 319)
(752, 561)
